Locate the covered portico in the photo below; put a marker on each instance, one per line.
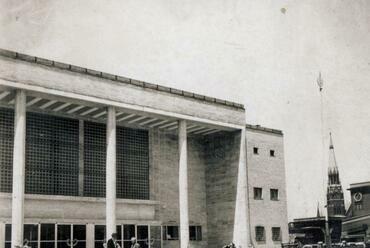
(31, 84)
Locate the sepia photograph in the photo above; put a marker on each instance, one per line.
(184, 124)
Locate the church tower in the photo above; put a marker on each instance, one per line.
(335, 197)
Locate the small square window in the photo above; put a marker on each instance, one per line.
(276, 234)
(257, 193)
(272, 153)
(170, 233)
(255, 150)
(274, 194)
(260, 233)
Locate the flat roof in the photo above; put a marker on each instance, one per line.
(359, 185)
(264, 129)
(120, 79)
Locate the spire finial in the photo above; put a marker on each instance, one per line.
(318, 210)
(331, 146)
(320, 82)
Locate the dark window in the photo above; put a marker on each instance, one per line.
(195, 233)
(274, 194)
(94, 159)
(255, 150)
(142, 235)
(6, 149)
(79, 236)
(260, 233)
(132, 162)
(8, 235)
(358, 206)
(276, 234)
(47, 235)
(272, 153)
(257, 193)
(99, 236)
(128, 233)
(63, 235)
(51, 155)
(170, 233)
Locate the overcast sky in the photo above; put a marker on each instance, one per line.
(264, 54)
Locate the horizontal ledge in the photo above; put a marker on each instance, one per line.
(136, 109)
(79, 199)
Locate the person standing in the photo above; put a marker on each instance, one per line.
(112, 242)
(134, 243)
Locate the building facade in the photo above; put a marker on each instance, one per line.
(85, 154)
(355, 226)
(267, 188)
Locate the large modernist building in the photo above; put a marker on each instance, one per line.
(84, 154)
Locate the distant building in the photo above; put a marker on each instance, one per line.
(335, 197)
(312, 230)
(267, 188)
(356, 225)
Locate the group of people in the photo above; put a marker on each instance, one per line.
(112, 242)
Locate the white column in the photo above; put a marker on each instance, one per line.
(241, 230)
(2, 234)
(111, 173)
(183, 186)
(90, 235)
(19, 157)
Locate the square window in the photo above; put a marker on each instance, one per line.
(257, 193)
(274, 194)
(255, 150)
(170, 233)
(260, 233)
(272, 153)
(276, 234)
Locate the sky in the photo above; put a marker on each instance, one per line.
(264, 54)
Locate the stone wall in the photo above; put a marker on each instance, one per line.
(166, 187)
(267, 172)
(222, 156)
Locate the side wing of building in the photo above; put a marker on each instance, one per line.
(267, 187)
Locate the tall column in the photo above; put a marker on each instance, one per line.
(19, 157)
(90, 235)
(111, 173)
(183, 185)
(2, 235)
(241, 232)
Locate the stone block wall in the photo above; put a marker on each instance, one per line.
(164, 162)
(267, 172)
(222, 156)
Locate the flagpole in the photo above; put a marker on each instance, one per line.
(320, 83)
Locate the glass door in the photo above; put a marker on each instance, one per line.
(129, 231)
(143, 236)
(71, 236)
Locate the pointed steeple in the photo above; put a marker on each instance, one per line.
(335, 197)
(333, 171)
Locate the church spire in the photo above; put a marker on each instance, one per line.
(333, 172)
(335, 197)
